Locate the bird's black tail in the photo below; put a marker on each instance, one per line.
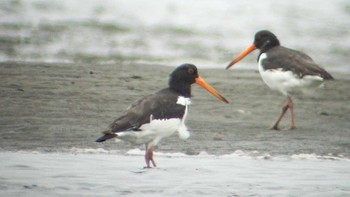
(325, 75)
(106, 136)
(328, 77)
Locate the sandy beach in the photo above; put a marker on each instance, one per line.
(51, 115)
(55, 107)
(68, 69)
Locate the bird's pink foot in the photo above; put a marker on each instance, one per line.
(149, 158)
(292, 127)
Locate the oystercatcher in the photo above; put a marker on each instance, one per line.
(159, 115)
(285, 70)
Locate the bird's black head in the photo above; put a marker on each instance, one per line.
(184, 76)
(265, 40)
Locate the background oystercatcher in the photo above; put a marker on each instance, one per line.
(285, 70)
(159, 115)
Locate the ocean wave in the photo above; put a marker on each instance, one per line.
(204, 154)
(117, 31)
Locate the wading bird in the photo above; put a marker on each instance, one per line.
(159, 115)
(285, 70)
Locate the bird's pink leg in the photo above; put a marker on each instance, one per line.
(291, 107)
(284, 110)
(149, 157)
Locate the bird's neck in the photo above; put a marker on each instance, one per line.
(265, 48)
(181, 88)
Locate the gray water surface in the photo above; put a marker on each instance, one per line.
(169, 32)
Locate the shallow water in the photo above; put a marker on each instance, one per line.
(103, 174)
(209, 33)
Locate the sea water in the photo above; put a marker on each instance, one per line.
(98, 172)
(170, 32)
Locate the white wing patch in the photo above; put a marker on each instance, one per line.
(183, 101)
(183, 132)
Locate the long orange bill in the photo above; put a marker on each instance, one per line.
(200, 81)
(242, 55)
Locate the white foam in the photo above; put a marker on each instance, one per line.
(256, 155)
(140, 152)
(313, 156)
(245, 154)
(88, 150)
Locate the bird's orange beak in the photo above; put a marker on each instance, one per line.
(200, 81)
(242, 55)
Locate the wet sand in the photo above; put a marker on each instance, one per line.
(63, 174)
(56, 107)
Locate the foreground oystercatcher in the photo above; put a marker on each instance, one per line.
(285, 70)
(159, 115)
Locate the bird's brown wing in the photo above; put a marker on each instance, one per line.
(295, 61)
(161, 105)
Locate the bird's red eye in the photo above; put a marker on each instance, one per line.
(190, 71)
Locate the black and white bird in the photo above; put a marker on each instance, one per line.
(159, 115)
(285, 70)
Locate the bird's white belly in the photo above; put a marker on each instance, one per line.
(286, 81)
(153, 131)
